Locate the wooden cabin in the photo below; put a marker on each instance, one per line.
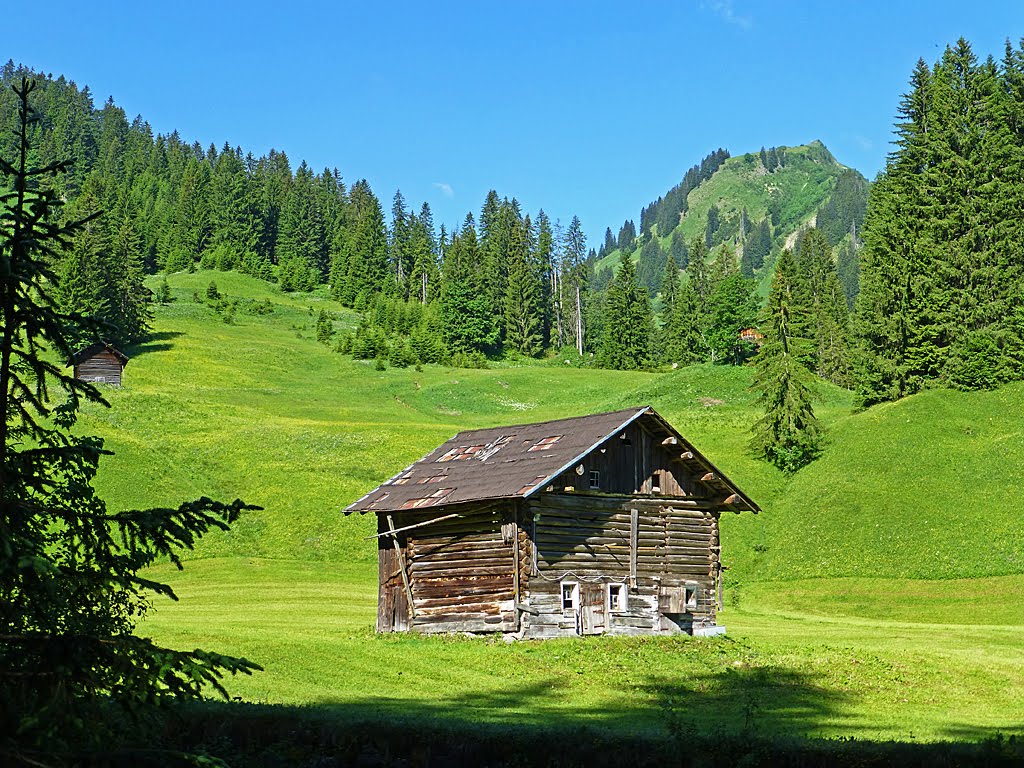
(99, 363)
(603, 524)
(752, 336)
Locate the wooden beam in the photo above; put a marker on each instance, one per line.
(515, 566)
(634, 535)
(709, 477)
(733, 499)
(527, 609)
(401, 563)
(415, 525)
(670, 441)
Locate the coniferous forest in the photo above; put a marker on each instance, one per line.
(912, 282)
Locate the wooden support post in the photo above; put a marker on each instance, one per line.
(634, 534)
(401, 565)
(515, 567)
(534, 570)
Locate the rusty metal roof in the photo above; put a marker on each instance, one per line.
(514, 461)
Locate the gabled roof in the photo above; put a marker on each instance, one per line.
(518, 461)
(94, 349)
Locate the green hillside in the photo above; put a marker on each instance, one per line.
(798, 188)
(922, 488)
(826, 636)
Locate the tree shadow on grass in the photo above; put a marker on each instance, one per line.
(749, 716)
(155, 342)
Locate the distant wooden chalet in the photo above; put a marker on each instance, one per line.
(603, 524)
(99, 363)
(752, 336)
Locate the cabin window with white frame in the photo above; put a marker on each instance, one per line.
(618, 597)
(595, 480)
(570, 595)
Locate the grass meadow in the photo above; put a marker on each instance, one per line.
(877, 596)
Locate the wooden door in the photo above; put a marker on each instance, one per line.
(592, 609)
(393, 610)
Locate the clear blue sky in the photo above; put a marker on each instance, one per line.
(586, 108)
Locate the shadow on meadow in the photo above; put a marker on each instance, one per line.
(741, 716)
(155, 342)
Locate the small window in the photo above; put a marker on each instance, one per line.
(618, 596)
(570, 595)
(595, 479)
(690, 594)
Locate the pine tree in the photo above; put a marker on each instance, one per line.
(685, 341)
(399, 257)
(71, 573)
(669, 286)
(628, 321)
(573, 284)
(788, 434)
(544, 258)
(523, 296)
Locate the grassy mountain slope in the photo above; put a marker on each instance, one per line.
(259, 409)
(922, 488)
(800, 187)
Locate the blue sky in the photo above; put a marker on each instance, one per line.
(585, 108)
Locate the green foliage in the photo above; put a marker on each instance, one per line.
(939, 272)
(72, 585)
(629, 328)
(163, 292)
(976, 363)
(787, 434)
(324, 327)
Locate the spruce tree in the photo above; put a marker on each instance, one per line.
(787, 434)
(684, 339)
(73, 582)
(523, 295)
(628, 322)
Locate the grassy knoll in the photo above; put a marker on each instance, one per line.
(925, 488)
(876, 596)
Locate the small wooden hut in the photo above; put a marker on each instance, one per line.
(99, 363)
(603, 524)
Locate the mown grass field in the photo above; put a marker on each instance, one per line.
(792, 665)
(876, 596)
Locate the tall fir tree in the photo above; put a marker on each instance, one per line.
(787, 434)
(524, 294)
(628, 321)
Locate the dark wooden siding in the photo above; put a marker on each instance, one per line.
(461, 571)
(103, 367)
(656, 548)
(633, 461)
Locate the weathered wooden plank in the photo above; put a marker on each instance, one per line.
(460, 592)
(401, 564)
(468, 564)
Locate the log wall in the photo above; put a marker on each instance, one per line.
(461, 571)
(104, 367)
(657, 550)
(629, 463)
